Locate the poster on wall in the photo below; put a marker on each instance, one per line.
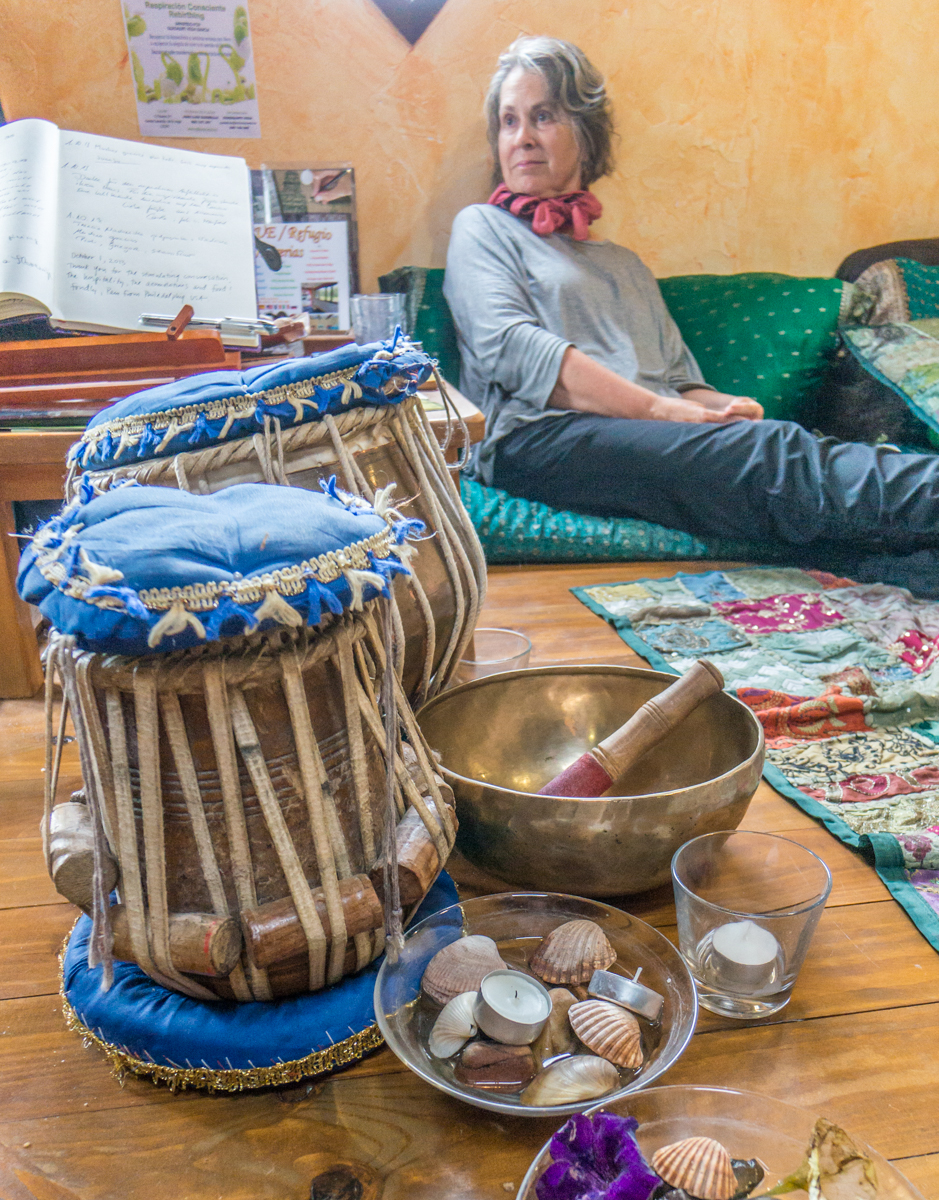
(193, 68)
(305, 243)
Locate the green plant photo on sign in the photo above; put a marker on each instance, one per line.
(241, 25)
(176, 85)
(136, 25)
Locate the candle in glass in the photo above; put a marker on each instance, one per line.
(512, 1008)
(744, 956)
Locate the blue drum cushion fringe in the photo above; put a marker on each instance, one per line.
(205, 410)
(140, 569)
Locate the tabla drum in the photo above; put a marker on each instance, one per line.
(263, 804)
(351, 413)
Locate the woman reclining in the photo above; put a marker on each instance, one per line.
(592, 400)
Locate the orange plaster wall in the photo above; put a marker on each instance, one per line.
(755, 134)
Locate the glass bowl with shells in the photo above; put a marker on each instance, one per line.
(436, 1012)
(703, 1143)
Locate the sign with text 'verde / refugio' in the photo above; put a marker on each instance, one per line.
(193, 68)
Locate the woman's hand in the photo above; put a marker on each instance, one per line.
(721, 407)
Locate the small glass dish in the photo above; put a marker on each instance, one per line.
(746, 1124)
(517, 922)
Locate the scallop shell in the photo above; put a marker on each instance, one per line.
(454, 1027)
(572, 952)
(460, 967)
(583, 1077)
(697, 1165)
(608, 1030)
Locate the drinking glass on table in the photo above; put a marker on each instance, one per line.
(376, 316)
(747, 906)
(490, 652)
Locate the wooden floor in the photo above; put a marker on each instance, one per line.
(859, 1041)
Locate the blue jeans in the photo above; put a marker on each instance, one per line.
(842, 505)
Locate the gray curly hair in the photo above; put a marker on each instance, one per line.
(574, 85)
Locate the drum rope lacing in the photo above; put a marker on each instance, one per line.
(150, 689)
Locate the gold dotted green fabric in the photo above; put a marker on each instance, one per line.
(922, 288)
(759, 334)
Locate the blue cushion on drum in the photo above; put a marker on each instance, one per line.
(149, 1030)
(144, 568)
(204, 410)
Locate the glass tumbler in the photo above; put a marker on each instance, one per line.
(376, 316)
(490, 652)
(747, 906)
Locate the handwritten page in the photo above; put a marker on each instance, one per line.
(146, 228)
(28, 189)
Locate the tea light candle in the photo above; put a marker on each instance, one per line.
(512, 1008)
(628, 993)
(744, 956)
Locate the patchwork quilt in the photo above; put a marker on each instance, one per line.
(844, 678)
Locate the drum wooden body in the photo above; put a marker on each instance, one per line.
(367, 449)
(249, 777)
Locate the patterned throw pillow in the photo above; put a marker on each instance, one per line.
(760, 334)
(513, 530)
(905, 359)
(901, 290)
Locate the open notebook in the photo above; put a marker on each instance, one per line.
(95, 231)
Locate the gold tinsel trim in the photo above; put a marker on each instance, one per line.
(201, 597)
(178, 1079)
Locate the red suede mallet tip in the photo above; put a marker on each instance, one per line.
(585, 777)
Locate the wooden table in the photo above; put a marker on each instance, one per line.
(859, 1040)
(32, 467)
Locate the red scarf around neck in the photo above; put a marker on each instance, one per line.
(571, 213)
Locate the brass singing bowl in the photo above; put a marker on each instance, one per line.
(505, 736)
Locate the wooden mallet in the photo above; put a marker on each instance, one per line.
(594, 772)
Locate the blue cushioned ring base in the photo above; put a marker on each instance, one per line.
(145, 1029)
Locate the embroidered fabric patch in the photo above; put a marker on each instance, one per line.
(783, 613)
(698, 638)
(753, 666)
(711, 586)
(824, 716)
(828, 650)
(757, 583)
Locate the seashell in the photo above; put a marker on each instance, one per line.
(608, 1030)
(697, 1165)
(556, 1037)
(583, 1077)
(572, 952)
(454, 1027)
(460, 967)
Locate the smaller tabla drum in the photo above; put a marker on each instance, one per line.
(352, 413)
(245, 782)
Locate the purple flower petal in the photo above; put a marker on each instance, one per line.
(638, 1183)
(565, 1181)
(613, 1136)
(575, 1141)
(597, 1159)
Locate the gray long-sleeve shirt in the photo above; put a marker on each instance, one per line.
(519, 300)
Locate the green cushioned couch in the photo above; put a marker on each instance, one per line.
(757, 334)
